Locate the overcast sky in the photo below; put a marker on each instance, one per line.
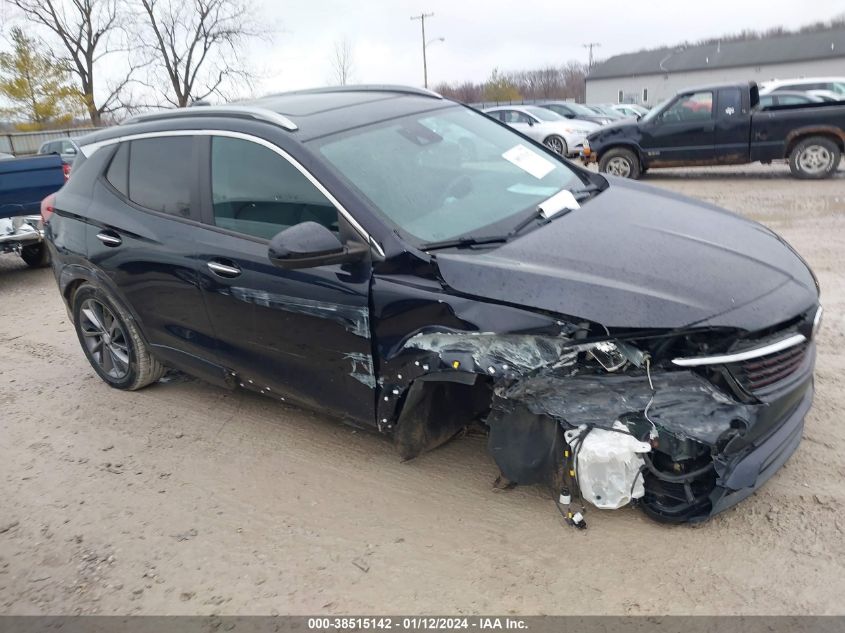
(509, 34)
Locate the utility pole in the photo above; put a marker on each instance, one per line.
(590, 46)
(421, 17)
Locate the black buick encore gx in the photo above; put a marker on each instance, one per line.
(406, 263)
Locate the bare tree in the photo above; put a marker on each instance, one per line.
(549, 82)
(342, 62)
(88, 30)
(198, 44)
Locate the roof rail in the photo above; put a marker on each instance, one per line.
(244, 112)
(409, 90)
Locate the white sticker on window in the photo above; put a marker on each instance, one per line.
(528, 161)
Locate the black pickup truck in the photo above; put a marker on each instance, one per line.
(722, 125)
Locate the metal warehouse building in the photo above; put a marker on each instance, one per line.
(648, 77)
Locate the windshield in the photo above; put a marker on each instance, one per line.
(608, 111)
(577, 108)
(446, 174)
(543, 114)
(651, 114)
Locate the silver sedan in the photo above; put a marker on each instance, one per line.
(564, 136)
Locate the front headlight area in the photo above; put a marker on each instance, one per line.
(615, 356)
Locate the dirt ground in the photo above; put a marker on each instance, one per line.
(187, 499)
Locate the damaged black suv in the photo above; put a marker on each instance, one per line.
(404, 262)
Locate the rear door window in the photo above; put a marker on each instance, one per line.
(160, 174)
(257, 192)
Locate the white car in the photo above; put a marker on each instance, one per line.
(562, 135)
(630, 109)
(819, 86)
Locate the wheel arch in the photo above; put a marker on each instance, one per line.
(623, 145)
(835, 134)
(73, 277)
(436, 406)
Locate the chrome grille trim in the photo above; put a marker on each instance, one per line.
(771, 348)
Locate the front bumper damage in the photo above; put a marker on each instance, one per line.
(710, 448)
(709, 451)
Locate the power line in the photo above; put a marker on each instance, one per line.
(590, 46)
(421, 17)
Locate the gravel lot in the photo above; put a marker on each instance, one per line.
(184, 498)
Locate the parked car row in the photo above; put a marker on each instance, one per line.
(562, 125)
(824, 88)
(564, 136)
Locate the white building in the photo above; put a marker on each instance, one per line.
(649, 77)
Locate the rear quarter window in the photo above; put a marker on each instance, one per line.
(118, 171)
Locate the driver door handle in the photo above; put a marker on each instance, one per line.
(220, 269)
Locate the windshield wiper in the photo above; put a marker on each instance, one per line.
(586, 192)
(465, 241)
(558, 205)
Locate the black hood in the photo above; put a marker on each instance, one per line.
(639, 257)
(623, 128)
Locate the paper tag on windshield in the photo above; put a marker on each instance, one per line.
(562, 200)
(528, 161)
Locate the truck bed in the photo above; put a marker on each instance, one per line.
(773, 130)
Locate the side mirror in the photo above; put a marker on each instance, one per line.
(308, 244)
(530, 122)
(71, 151)
(569, 116)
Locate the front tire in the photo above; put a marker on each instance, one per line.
(36, 255)
(814, 158)
(111, 341)
(557, 144)
(620, 162)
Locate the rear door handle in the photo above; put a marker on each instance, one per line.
(109, 239)
(224, 270)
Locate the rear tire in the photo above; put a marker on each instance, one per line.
(36, 255)
(111, 341)
(557, 144)
(814, 158)
(620, 162)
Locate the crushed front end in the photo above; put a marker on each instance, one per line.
(720, 414)
(682, 423)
